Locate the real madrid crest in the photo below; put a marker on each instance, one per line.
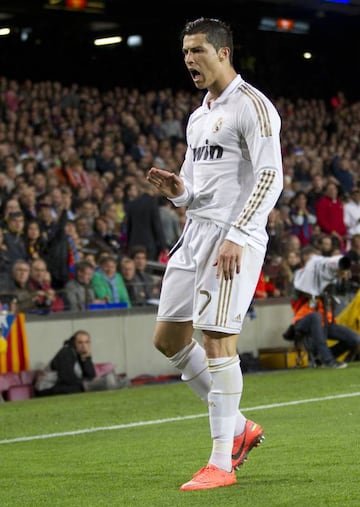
(217, 126)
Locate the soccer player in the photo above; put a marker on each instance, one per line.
(230, 180)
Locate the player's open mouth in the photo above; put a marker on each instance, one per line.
(195, 74)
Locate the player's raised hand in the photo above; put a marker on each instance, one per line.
(169, 184)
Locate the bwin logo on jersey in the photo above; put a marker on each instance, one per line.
(207, 152)
(217, 126)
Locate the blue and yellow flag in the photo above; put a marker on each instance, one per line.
(14, 352)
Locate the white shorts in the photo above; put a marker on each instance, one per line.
(190, 290)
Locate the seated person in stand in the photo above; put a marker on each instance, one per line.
(25, 299)
(75, 370)
(108, 285)
(133, 284)
(150, 285)
(265, 288)
(47, 299)
(78, 292)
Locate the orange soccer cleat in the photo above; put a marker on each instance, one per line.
(251, 437)
(210, 477)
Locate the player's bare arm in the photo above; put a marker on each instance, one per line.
(228, 260)
(169, 184)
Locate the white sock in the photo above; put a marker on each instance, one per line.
(192, 362)
(240, 420)
(224, 398)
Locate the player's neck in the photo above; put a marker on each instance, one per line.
(219, 85)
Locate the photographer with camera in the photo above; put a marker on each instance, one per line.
(314, 309)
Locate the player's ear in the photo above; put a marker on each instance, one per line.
(223, 53)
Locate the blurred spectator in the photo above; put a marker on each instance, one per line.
(315, 191)
(61, 198)
(328, 245)
(35, 243)
(147, 282)
(301, 217)
(40, 183)
(109, 212)
(292, 243)
(4, 188)
(118, 200)
(88, 209)
(10, 206)
(108, 284)
(25, 297)
(276, 231)
(62, 244)
(264, 288)
(78, 291)
(133, 284)
(340, 168)
(171, 128)
(143, 224)
(91, 258)
(5, 265)
(288, 265)
(105, 160)
(354, 255)
(104, 239)
(352, 212)
(330, 213)
(354, 251)
(46, 300)
(48, 221)
(170, 222)
(74, 175)
(14, 237)
(85, 232)
(74, 252)
(131, 192)
(27, 201)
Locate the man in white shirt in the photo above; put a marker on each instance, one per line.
(230, 180)
(352, 213)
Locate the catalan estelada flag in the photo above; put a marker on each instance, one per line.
(14, 352)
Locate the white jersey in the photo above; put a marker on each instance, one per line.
(352, 217)
(317, 274)
(233, 166)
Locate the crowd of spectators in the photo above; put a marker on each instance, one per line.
(74, 194)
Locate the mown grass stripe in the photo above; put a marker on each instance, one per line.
(169, 420)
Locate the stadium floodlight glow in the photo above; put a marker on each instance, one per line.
(107, 40)
(4, 31)
(134, 41)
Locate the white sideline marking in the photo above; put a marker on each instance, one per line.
(170, 419)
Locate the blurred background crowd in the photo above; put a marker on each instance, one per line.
(80, 225)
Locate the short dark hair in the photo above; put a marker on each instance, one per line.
(135, 249)
(82, 265)
(217, 32)
(308, 250)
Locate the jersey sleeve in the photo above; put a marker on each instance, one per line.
(259, 127)
(186, 174)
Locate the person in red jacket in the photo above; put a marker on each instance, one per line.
(265, 288)
(330, 213)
